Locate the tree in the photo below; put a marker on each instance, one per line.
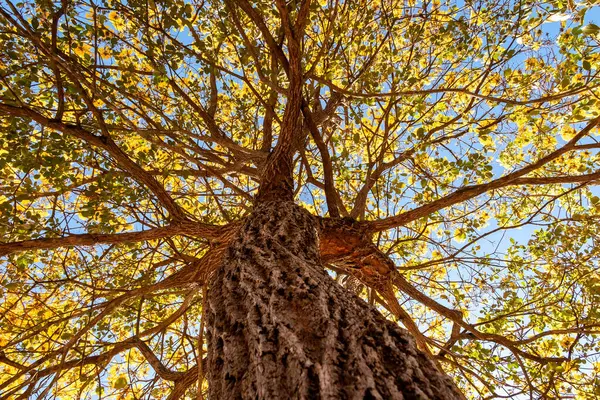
(224, 197)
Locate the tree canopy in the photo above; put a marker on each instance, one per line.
(462, 137)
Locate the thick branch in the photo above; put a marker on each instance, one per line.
(87, 240)
(206, 231)
(277, 177)
(469, 192)
(547, 180)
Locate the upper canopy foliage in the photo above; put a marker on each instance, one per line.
(445, 128)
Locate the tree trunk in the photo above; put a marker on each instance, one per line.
(278, 327)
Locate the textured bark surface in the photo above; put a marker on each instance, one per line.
(280, 328)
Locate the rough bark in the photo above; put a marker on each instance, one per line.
(280, 328)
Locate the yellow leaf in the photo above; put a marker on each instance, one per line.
(82, 49)
(567, 133)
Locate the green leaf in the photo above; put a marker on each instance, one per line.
(586, 65)
(590, 29)
(120, 382)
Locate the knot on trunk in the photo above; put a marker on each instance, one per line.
(346, 244)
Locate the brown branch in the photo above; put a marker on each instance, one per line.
(217, 135)
(160, 369)
(546, 180)
(108, 308)
(277, 177)
(330, 195)
(59, 84)
(260, 24)
(88, 240)
(469, 192)
(587, 329)
(188, 379)
(5, 360)
(181, 378)
(206, 231)
(405, 93)
(390, 301)
(107, 144)
(123, 69)
(361, 197)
